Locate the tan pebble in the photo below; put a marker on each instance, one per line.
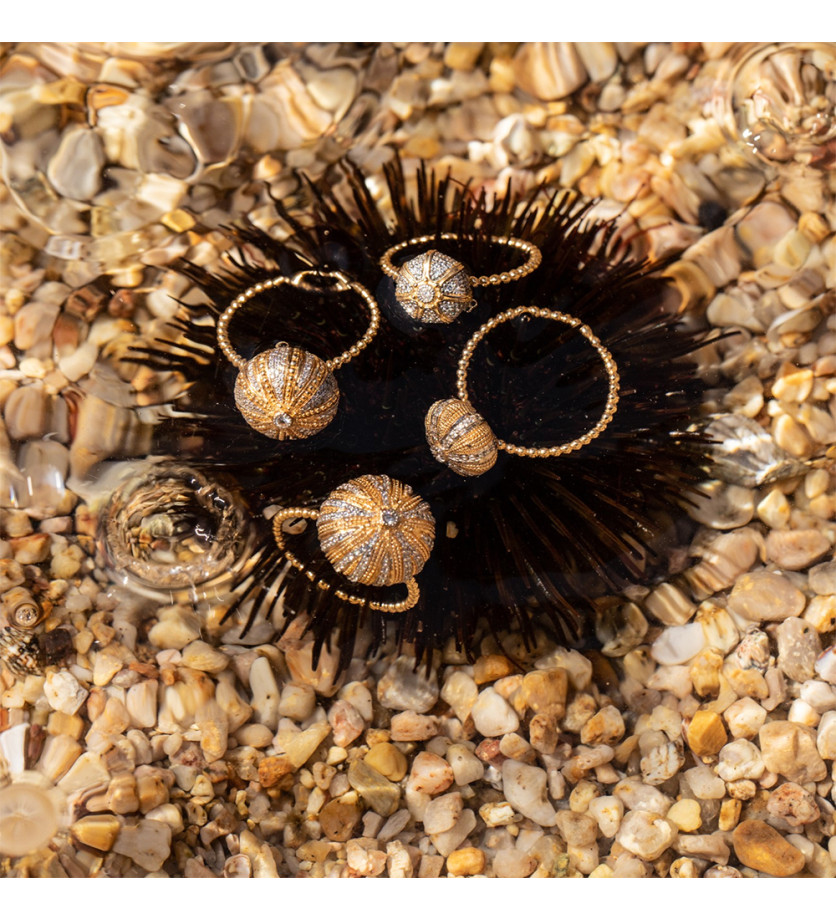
(122, 794)
(796, 549)
(466, 861)
(774, 509)
(544, 691)
(791, 436)
(763, 595)
(705, 672)
(761, 847)
(669, 605)
(203, 657)
(31, 549)
(543, 734)
(410, 726)
(388, 760)
(97, 832)
(686, 815)
(821, 613)
(489, 668)
(790, 750)
(338, 819)
(792, 384)
(605, 727)
(729, 814)
(379, 794)
(430, 774)
(272, 769)
(706, 733)
(152, 789)
(794, 804)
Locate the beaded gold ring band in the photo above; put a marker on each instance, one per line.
(374, 531)
(287, 392)
(460, 437)
(435, 288)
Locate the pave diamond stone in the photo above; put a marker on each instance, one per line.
(389, 517)
(425, 293)
(282, 420)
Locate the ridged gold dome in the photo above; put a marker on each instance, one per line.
(375, 531)
(286, 393)
(460, 438)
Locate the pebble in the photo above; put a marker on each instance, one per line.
(798, 648)
(790, 751)
(346, 723)
(605, 727)
(492, 715)
(796, 549)
(511, 863)
(744, 718)
(443, 812)
(761, 847)
(825, 666)
(766, 596)
(430, 774)
(406, 686)
(466, 861)
(147, 843)
(740, 759)
(794, 804)
(410, 726)
(706, 733)
(686, 815)
(387, 760)
(646, 834)
(460, 692)
(338, 819)
(678, 644)
(822, 578)
(64, 693)
(379, 793)
(544, 691)
(524, 787)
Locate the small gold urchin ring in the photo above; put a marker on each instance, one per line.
(434, 287)
(609, 364)
(298, 280)
(287, 392)
(285, 514)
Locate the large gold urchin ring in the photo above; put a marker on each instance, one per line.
(433, 287)
(459, 437)
(374, 531)
(287, 392)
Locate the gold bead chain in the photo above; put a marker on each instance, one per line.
(533, 257)
(298, 280)
(609, 364)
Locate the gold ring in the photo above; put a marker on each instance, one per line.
(373, 530)
(287, 392)
(433, 287)
(460, 437)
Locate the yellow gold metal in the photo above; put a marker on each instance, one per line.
(374, 531)
(287, 392)
(460, 438)
(433, 287)
(473, 457)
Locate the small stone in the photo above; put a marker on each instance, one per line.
(203, 657)
(467, 767)
(669, 605)
(300, 746)
(176, 628)
(646, 834)
(678, 644)
(492, 715)
(576, 829)
(790, 750)
(705, 672)
(297, 702)
(147, 843)
(821, 613)
(346, 723)
(388, 760)
(442, 813)
(686, 815)
(761, 847)
(544, 691)
(796, 549)
(410, 726)
(706, 733)
(338, 819)
(825, 666)
(451, 840)
(826, 736)
(97, 832)
(430, 774)
(605, 727)
(798, 648)
(511, 863)
(822, 578)
(766, 596)
(524, 788)
(740, 760)
(608, 811)
(63, 692)
(490, 668)
(744, 718)
(404, 685)
(466, 861)
(794, 804)
(460, 693)
(729, 814)
(379, 794)
(272, 769)
(498, 814)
